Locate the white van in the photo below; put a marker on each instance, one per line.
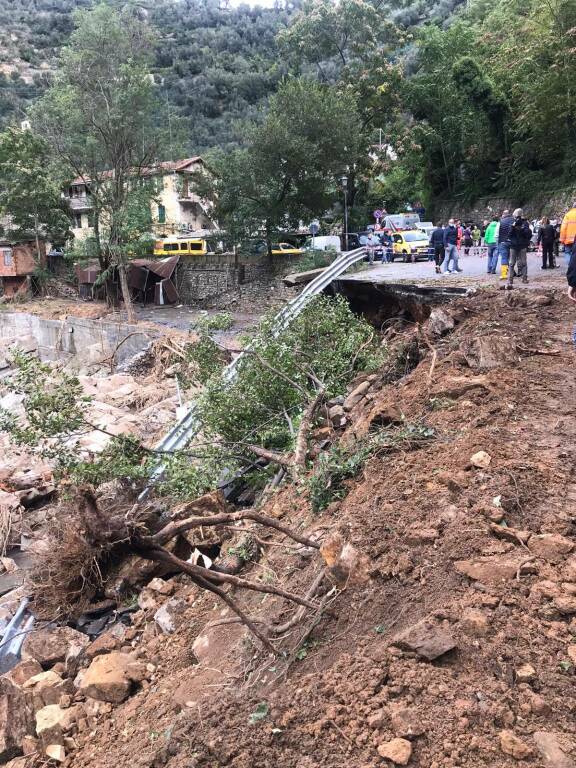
(323, 243)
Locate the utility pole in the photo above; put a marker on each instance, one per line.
(344, 181)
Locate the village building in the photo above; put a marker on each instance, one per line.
(176, 207)
(18, 262)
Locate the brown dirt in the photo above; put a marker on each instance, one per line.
(324, 695)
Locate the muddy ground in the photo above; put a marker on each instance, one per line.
(484, 554)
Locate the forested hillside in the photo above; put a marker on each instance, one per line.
(214, 65)
(465, 98)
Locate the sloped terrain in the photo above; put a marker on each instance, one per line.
(451, 639)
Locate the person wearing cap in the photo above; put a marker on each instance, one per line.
(520, 237)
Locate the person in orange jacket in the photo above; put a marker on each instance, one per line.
(568, 231)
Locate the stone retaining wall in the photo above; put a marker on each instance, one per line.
(200, 279)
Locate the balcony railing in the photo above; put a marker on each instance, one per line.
(80, 203)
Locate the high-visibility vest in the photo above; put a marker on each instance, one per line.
(568, 228)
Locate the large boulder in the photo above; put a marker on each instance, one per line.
(16, 719)
(51, 645)
(111, 677)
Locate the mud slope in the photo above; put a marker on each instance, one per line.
(486, 556)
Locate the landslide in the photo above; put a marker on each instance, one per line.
(484, 554)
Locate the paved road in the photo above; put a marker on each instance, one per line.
(473, 266)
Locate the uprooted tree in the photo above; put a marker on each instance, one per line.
(262, 418)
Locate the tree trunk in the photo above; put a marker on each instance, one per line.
(132, 319)
(269, 243)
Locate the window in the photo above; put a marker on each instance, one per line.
(397, 238)
(170, 246)
(415, 237)
(162, 214)
(77, 221)
(183, 246)
(196, 246)
(7, 253)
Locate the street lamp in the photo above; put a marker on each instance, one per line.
(344, 182)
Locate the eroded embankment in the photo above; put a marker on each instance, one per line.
(453, 644)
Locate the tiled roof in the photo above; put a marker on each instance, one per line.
(167, 165)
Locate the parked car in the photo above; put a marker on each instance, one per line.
(410, 245)
(323, 243)
(286, 249)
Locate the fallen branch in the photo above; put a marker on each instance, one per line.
(301, 449)
(530, 351)
(174, 528)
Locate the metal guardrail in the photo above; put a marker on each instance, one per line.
(189, 426)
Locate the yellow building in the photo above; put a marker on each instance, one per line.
(176, 208)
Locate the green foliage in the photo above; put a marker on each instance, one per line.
(327, 482)
(312, 260)
(326, 344)
(187, 478)
(29, 190)
(288, 168)
(204, 360)
(260, 713)
(221, 321)
(51, 406)
(99, 119)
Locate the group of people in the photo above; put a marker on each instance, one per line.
(506, 238)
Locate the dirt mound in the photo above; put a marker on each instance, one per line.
(460, 649)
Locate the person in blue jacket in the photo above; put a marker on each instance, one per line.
(450, 249)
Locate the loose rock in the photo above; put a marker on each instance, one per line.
(16, 719)
(48, 646)
(398, 751)
(481, 459)
(550, 546)
(170, 615)
(512, 745)
(426, 639)
(110, 678)
(551, 750)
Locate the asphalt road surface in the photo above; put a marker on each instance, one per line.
(473, 266)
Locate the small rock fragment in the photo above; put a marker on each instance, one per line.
(566, 605)
(427, 639)
(170, 615)
(525, 673)
(512, 745)
(56, 752)
(481, 459)
(161, 586)
(398, 751)
(406, 722)
(474, 622)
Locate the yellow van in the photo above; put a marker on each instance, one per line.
(170, 246)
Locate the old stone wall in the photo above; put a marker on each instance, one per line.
(202, 279)
(552, 203)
